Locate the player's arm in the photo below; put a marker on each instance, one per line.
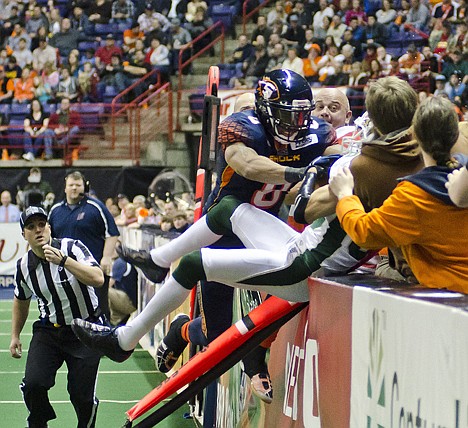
(249, 164)
(322, 203)
(19, 316)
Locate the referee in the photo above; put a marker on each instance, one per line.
(61, 274)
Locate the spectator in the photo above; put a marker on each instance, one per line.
(375, 32)
(261, 29)
(325, 10)
(441, 37)
(7, 87)
(445, 10)
(131, 35)
(166, 224)
(336, 29)
(358, 32)
(370, 55)
(36, 21)
(73, 62)
(66, 125)
(357, 12)
(123, 11)
(43, 54)
(293, 62)
(310, 39)
(104, 53)
(440, 82)
(328, 63)
(37, 136)
(12, 69)
(277, 14)
(9, 213)
(321, 31)
(23, 55)
(242, 52)
(438, 260)
(122, 291)
(277, 57)
(23, 92)
(310, 64)
(455, 62)
(180, 222)
(42, 91)
(200, 23)
(295, 34)
(129, 215)
(418, 15)
(355, 93)
(179, 40)
(254, 68)
(50, 76)
(304, 18)
(135, 70)
(384, 58)
(112, 75)
(87, 83)
(410, 62)
(55, 21)
(80, 22)
(100, 12)
(192, 7)
(150, 20)
(454, 87)
(346, 58)
(159, 58)
(35, 189)
(18, 32)
(67, 87)
(68, 38)
(386, 15)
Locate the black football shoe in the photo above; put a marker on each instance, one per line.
(100, 338)
(142, 259)
(172, 346)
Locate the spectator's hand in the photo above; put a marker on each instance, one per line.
(16, 348)
(342, 184)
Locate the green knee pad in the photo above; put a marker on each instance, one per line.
(218, 218)
(190, 270)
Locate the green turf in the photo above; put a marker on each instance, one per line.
(119, 386)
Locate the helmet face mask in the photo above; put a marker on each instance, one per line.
(284, 104)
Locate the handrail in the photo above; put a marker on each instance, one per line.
(183, 65)
(127, 106)
(246, 16)
(415, 30)
(164, 88)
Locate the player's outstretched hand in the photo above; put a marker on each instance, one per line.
(342, 184)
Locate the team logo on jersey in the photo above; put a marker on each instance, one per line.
(268, 90)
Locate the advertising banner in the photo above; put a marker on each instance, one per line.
(12, 247)
(409, 365)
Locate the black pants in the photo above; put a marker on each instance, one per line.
(50, 347)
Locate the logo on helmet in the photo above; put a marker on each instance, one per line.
(268, 90)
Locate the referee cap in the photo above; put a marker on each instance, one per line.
(31, 212)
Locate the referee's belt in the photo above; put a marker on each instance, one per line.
(93, 318)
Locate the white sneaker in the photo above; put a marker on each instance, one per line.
(28, 156)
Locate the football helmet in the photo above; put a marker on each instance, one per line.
(284, 102)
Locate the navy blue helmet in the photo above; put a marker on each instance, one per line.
(284, 103)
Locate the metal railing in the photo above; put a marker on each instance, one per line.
(246, 16)
(184, 64)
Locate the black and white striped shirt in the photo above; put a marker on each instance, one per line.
(60, 296)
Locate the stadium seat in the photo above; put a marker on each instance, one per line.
(196, 102)
(5, 109)
(104, 29)
(82, 46)
(227, 15)
(91, 115)
(19, 111)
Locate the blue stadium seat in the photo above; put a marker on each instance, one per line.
(91, 115)
(196, 102)
(5, 109)
(227, 15)
(104, 29)
(82, 46)
(19, 111)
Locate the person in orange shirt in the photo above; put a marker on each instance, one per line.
(419, 217)
(24, 87)
(131, 35)
(310, 63)
(410, 62)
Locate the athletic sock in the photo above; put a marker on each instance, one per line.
(167, 299)
(197, 236)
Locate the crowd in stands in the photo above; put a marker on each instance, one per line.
(353, 43)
